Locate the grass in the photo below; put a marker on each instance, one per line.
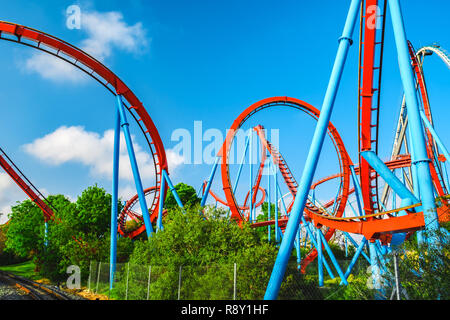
(24, 269)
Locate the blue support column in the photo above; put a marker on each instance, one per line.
(276, 206)
(114, 202)
(390, 178)
(336, 197)
(134, 167)
(46, 233)
(159, 225)
(251, 177)
(319, 257)
(333, 258)
(314, 244)
(241, 164)
(358, 190)
(353, 209)
(208, 185)
(414, 168)
(358, 252)
(357, 246)
(415, 123)
(298, 247)
(435, 136)
(445, 174)
(419, 233)
(268, 198)
(172, 189)
(287, 244)
(394, 195)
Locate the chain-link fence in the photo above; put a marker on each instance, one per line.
(222, 282)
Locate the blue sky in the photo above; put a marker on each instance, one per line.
(189, 61)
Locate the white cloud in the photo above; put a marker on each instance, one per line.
(75, 144)
(105, 31)
(174, 159)
(52, 68)
(108, 30)
(9, 194)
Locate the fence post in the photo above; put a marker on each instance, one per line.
(126, 288)
(98, 276)
(179, 283)
(234, 283)
(148, 284)
(89, 278)
(396, 276)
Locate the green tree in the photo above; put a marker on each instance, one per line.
(263, 231)
(79, 233)
(93, 211)
(423, 270)
(187, 194)
(24, 234)
(206, 246)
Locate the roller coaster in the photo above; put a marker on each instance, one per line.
(365, 203)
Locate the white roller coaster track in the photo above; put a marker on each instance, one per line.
(403, 117)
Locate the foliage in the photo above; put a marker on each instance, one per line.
(206, 246)
(7, 257)
(263, 216)
(187, 194)
(25, 269)
(423, 270)
(78, 233)
(25, 231)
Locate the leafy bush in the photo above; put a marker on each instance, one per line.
(206, 247)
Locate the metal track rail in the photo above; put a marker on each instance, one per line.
(35, 290)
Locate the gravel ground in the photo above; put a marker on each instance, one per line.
(11, 293)
(72, 295)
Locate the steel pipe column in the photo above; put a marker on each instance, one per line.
(287, 244)
(208, 185)
(415, 123)
(137, 178)
(115, 201)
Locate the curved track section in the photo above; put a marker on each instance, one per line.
(435, 169)
(310, 209)
(128, 212)
(388, 222)
(22, 181)
(60, 49)
(280, 102)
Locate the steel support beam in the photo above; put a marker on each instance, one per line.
(172, 188)
(391, 179)
(134, 166)
(114, 202)
(210, 180)
(435, 136)
(287, 244)
(415, 123)
(159, 225)
(358, 191)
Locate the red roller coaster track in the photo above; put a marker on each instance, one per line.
(56, 47)
(283, 102)
(22, 181)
